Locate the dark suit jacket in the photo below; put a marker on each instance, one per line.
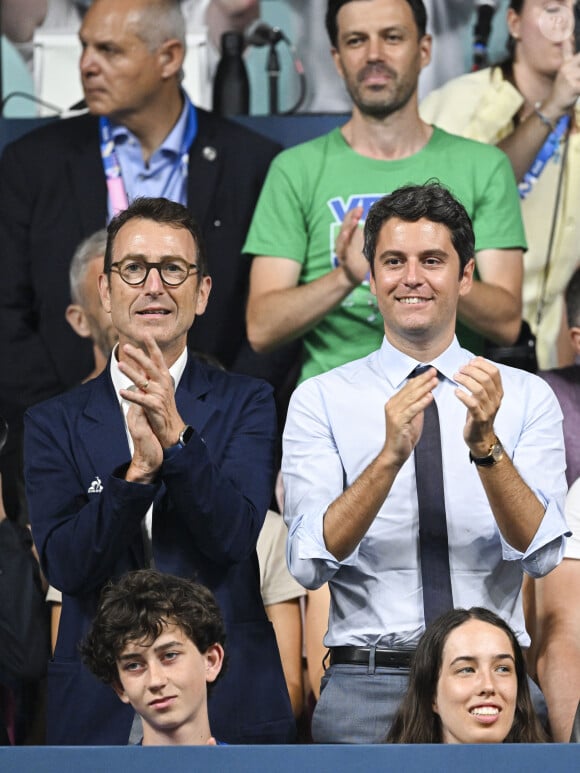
(210, 503)
(53, 194)
(24, 634)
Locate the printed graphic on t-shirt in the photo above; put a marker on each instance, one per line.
(361, 296)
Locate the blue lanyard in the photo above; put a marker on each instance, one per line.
(548, 149)
(112, 168)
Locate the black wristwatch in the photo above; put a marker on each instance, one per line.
(494, 455)
(185, 435)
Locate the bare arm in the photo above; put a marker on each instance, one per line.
(280, 310)
(287, 621)
(493, 306)
(558, 645)
(515, 507)
(523, 144)
(316, 625)
(349, 517)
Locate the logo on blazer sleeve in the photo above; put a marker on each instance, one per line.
(96, 486)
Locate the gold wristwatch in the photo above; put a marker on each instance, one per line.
(493, 456)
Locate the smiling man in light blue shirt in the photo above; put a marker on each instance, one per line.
(349, 473)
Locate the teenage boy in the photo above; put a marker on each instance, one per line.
(158, 640)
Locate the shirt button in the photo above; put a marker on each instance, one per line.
(217, 223)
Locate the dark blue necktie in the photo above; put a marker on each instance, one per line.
(433, 544)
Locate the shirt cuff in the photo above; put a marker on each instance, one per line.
(546, 549)
(308, 559)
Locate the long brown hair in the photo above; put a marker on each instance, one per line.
(416, 722)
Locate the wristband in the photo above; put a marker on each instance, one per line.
(544, 118)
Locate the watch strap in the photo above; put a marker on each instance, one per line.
(493, 456)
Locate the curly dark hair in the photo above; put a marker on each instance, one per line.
(416, 722)
(138, 607)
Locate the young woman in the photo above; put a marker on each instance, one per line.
(467, 684)
(527, 106)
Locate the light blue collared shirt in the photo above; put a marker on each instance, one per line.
(336, 428)
(165, 174)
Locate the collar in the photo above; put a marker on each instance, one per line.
(396, 365)
(171, 145)
(121, 381)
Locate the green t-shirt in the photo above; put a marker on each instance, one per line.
(309, 189)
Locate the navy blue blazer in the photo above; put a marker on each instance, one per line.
(209, 501)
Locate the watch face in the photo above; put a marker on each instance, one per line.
(185, 436)
(497, 452)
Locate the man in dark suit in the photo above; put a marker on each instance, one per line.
(161, 460)
(54, 191)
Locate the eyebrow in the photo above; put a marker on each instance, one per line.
(472, 659)
(159, 648)
(143, 258)
(401, 27)
(429, 253)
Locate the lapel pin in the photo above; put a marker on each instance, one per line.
(209, 153)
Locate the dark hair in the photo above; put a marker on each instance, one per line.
(160, 211)
(138, 607)
(416, 722)
(507, 64)
(334, 6)
(572, 300)
(431, 201)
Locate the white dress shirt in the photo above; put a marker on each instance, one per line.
(336, 428)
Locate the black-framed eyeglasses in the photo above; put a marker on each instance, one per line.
(173, 272)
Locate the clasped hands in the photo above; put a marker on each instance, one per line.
(404, 410)
(152, 420)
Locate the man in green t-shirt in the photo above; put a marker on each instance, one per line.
(308, 276)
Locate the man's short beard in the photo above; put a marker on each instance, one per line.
(381, 110)
(397, 100)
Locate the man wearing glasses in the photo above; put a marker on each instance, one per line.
(161, 461)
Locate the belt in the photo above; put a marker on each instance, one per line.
(360, 656)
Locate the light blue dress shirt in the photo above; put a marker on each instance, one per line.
(336, 428)
(166, 172)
